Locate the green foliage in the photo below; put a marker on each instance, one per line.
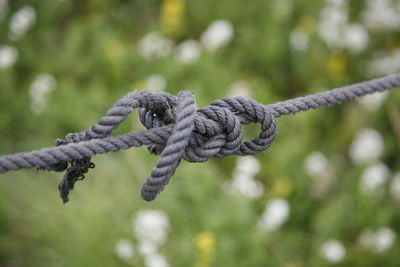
(91, 49)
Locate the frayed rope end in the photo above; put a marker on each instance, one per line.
(74, 173)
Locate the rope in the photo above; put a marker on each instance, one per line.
(176, 130)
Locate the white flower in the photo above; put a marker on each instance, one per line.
(378, 242)
(243, 184)
(317, 167)
(151, 225)
(188, 52)
(156, 260)
(147, 247)
(316, 164)
(395, 186)
(333, 251)
(374, 101)
(384, 239)
(355, 37)
(367, 146)
(154, 45)
(124, 249)
(8, 56)
(335, 30)
(39, 89)
(22, 21)
(218, 34)
(373, 177)
(156, 82)
(299, 40)
(330, 29)
(240, 88)
(248, 164)
(384, 63)
(43, 84)
(382, 15)
(276, 213)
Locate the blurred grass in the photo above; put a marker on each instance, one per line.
(90, 47)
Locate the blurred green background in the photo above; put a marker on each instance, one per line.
(326, 193)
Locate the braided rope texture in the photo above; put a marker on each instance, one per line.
(176, 130)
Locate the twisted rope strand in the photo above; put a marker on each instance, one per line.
(335, 96)
(176, 130)
(174, 148)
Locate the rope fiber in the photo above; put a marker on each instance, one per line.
(176, 130)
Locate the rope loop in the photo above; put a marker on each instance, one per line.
(250, 111)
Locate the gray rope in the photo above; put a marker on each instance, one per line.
(176, 130)
(174, 149)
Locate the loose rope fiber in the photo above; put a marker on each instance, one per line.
(176, 130)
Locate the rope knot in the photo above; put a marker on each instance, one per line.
(176, 130)
(198, 135)
(190, 134)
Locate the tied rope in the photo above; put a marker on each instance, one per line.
(176, 130)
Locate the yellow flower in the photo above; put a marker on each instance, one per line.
(283, 187)
(114, 51)
(171, 16)
(307, 23)
(205, 245)
(336, 64)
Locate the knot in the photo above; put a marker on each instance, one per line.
(176, 131)
(213, 131)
